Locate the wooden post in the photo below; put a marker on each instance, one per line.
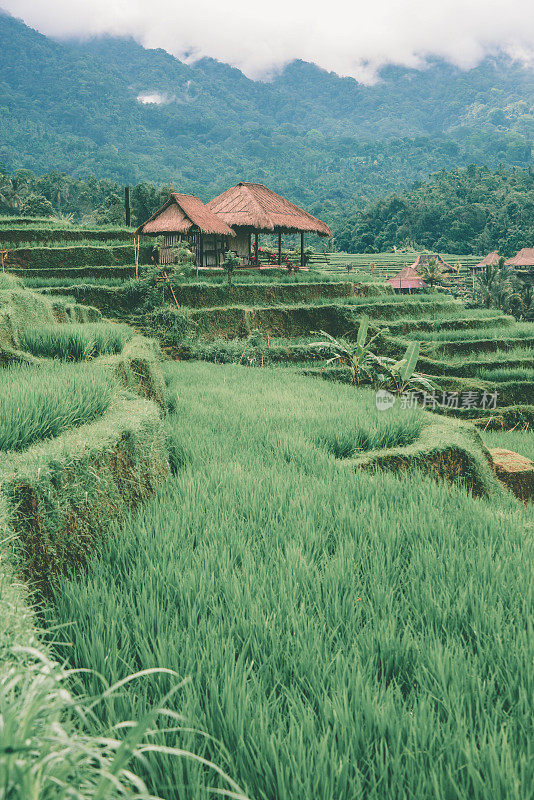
(256, 249)
(127, 205)
(216, 238)
(200, 250)
(249, 247)
(302, 249)
(136, 250)
(279, 249)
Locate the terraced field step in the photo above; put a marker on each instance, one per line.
(295, 320)
(515, 471)
(471, 319)
(458, 346)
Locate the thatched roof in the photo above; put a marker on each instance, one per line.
(423, 259)
(254, 206)
(407, 278)
(491, 260)
(525, 258)
(182, 212)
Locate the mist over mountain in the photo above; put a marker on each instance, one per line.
(111, 108)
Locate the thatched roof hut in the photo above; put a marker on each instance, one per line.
(423, 260)
(180, 215)
(407, 280)
(260, 210)
(491, 260)
(252, 208)
(184, 216)
(525, 258)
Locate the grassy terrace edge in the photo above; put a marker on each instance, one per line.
(59, 497)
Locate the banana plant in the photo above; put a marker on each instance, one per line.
(365, 366)
(356, 356)
(400, 376)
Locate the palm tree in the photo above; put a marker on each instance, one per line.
(498, 287)
(485, 283)
(432, 273)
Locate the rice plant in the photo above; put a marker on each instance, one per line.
(51, 749)
(75, 342)
(518, 330)
(347, 635)
(396, 428)
(493, 356)
(39, 283)
(519, 441)
(505, 374)
(38, 403)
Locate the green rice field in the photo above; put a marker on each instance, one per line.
(343, 634)
(519, 441)
(74, 341)
(38, 403)
(518, 330)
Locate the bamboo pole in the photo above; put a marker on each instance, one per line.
(136, 251)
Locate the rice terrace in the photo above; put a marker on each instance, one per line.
(267, 474)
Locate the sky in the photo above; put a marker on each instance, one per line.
(351, 38)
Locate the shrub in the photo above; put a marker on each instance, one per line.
(171, 324)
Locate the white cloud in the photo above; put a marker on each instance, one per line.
(154, 98)
(351, 38)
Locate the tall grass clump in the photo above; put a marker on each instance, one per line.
(505, 373)
(8, 281)
(74, 341)
(51, 749)
(396, 428)
(347, 635)
(38, 403)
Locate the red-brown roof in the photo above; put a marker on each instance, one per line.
(254, 206)
(525, 258)
(180, 213)
(407, 278)
(491, 260)
(423, 259)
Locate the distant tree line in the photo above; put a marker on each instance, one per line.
(91, 201)
(472, 210)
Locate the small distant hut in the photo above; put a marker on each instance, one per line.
(522, 260)
(185, 218)
(251, 209)
(523, 263)
(491, 260)
(407, 280)
(424, 259)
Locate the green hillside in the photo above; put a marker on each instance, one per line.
(327, 142)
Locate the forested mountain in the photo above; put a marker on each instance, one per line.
(474, 210)
(326, 142)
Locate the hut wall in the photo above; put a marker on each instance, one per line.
(240, 245)
(166, 251)
(208, 250)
